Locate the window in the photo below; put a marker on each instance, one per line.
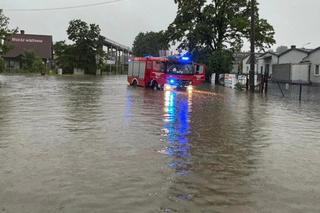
(317, 71)
(180, 69)
(149, 65)
(159, 66)
(199, 69)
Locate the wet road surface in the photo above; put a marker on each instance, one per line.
(93, 144)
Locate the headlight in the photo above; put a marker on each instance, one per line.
(167, 87)
(190, 88)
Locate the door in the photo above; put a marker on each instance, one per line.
(199, 75)
(267, 71)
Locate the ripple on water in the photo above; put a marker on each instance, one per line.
(92, 144)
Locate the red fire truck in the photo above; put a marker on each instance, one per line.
(165, 73)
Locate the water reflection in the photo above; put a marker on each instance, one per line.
(176, 130)
(4, 117)
(82, 101)
(82, 144)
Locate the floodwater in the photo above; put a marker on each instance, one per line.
(92, 144)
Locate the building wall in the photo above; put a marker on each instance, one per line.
(40, 45)
(12, 64)
(300, 73)
(246, 67)
(235, 68)
(262, 64)
(292, 57)
(314, 59)
(294, 73)
(281, 72)
(275, 60)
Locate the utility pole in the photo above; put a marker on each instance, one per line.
(252, 41)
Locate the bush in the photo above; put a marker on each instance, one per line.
(38, 66)
(219, 61)
(239, 87)
(32, 63)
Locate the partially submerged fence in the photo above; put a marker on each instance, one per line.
(296, 90)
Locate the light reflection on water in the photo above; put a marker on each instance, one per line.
(176, 130)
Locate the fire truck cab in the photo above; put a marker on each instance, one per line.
(165, 73)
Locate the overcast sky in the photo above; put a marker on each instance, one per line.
(295, 21)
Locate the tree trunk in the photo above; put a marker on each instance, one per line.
(252, 41)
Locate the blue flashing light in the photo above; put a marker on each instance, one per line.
(172, 81)
(185, 58)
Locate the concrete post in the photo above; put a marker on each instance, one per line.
(123, 62)
(116, 62)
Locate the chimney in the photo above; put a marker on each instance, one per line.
(22, 32)
(293, 47)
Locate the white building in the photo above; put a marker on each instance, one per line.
(265, 62)
(292, 56)
(313, 59)
(237, 62)
(246, 64)
(292, 66)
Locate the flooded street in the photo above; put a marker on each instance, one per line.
(92, 144)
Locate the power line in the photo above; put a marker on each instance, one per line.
(63, 8)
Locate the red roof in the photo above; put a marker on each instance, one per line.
(40, 45)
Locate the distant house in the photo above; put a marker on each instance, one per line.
(237, 62)
(266, 61)
(291, 67)
(40, 45)
(246, 64)
(313, 59)
(292, 56)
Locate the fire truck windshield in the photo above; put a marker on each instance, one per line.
(180, 69)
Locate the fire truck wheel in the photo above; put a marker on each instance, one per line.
(134, 83)
(155, 86)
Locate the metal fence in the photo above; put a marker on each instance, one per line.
(292, 91)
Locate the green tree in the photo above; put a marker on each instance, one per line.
(149, 43)
(88, 44)
(38, 66)
(32, 63)
(27, 60)
(217, 25)
(64, 56)
(4, 33)
(218, 61)
(211, 31)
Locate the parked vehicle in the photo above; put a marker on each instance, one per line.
(165, 73)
